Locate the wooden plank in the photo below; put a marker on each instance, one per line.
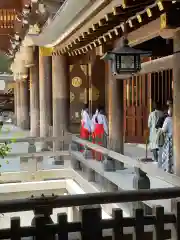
(157, 65)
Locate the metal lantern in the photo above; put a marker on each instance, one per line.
(125, 60)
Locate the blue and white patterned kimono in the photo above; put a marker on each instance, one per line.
(167, 149)
(152, 121)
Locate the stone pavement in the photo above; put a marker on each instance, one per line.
(11, 131)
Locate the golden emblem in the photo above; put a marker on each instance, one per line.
(163, 21)
(84, 68)
(71, 68)
(72, 97)
(76, 82)
(93, 93)
(82, 97)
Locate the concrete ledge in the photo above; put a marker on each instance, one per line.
(123, 179)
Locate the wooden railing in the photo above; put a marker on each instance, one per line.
(159, 225)
(119, 172)
(62, 140)
(110, 157)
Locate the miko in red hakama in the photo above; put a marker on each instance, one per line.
(99, 135)
(84, 134)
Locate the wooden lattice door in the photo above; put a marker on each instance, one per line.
(136, 106)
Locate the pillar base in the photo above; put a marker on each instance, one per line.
(58, 160)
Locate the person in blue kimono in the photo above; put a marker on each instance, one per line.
(167, 149)
(152, 121)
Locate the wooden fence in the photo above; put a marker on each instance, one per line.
(158, 226)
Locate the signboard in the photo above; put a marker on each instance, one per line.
(45, 52)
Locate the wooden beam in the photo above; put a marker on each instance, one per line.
(6, 31)
(132, 3)
(157, 65)
(102, 22)
(144, 33)
(118, 10)
(84, 34)
(109, 21)
(95, 26)
(109, 16)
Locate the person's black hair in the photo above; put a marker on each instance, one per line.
(102, 110)
(157, 106)
(170, 101)
(85, 106)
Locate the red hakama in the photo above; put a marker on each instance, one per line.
(84, 134)
(99, 137)
(93, 141)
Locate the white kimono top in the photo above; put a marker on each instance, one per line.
(86, 120)
(93, 120)
(101, 120)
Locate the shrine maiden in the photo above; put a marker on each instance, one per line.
(100, 131)
(85, 124)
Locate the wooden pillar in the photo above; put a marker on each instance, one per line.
(60, 90)
(176, 101)
(15, 103)
(18, 102)
(116, 115)
(45, 79)
(34, 96)
(24, 117)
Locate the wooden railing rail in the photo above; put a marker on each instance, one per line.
(111, 156)
(158, 226)
(88, 199)
(40, 154)
(64, 140)
(67, 137)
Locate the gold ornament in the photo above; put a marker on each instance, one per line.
(93, 93)
(76, 82)
(84, 68)
(71, 68)
(72, 97)
(82, 97)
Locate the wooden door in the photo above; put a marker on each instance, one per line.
(78, 75)
(136, 107)
(161, 87)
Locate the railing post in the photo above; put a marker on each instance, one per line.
(87, 153)
(42, 218)
(90, 175)
(140, 181)
(15, 228)
(59, 145)
(175, 209)
(109, 164)
(74, 162)
(91, 215)
(31, 149)
(158, 213)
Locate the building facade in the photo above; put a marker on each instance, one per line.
(60, 67)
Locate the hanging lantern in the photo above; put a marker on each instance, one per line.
(125, 60)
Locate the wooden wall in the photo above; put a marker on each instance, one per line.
(87, 85)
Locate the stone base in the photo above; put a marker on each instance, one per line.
(59, 160)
